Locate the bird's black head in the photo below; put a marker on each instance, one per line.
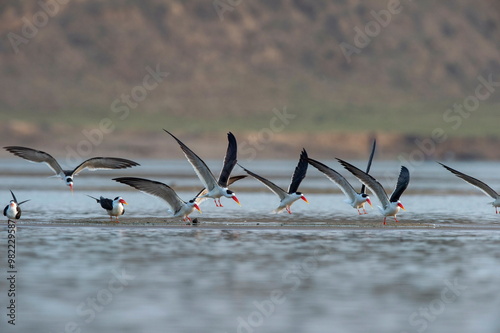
(298, 193)
(364, 195)
(116, 198)
(191, 201)
(229, 192)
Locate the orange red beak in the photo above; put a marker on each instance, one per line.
(304, 198)
(369, 202)
(123, 202)
(197, 208)
(400, 205)
(236, 199)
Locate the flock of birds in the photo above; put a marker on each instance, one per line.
(217, 188)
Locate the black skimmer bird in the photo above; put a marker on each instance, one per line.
(113, 207)
(354, 199)
(94, 163)
(178, 206)
(216, 188)
(390, 206)
(479, 184)
(287, 198)
(12, 210)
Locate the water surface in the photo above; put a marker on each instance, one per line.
(440, 274)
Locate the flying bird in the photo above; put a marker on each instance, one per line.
(113, 207)
(479, 184)
(12, 210)
(94, 163)
(216, 188)
(179, 207)
(287, 198)
(200, 197)
(390, 206)
(354, 199)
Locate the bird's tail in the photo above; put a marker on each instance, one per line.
(278, 210)
(93, 198)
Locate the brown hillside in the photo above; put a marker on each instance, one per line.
(253, 57)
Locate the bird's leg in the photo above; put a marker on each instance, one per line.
(395, 219)
(220, 204)
(496, 210)
(384, 220)
(217, 204)
(359, 213)
(365, 210)
(288, 210)
(187, 218)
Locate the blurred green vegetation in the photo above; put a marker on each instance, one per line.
(417, 119)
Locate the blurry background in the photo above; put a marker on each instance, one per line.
(66, 67)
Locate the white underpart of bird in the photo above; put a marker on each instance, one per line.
(13, 209)
(118, 208)
(359, 202)
(113, 207)
(216, 189)
(390, 206)
(287, 198)
(178, 207)
(94, 163)
(479, 185)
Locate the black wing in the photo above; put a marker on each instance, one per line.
(269, 184)
(200, 167)
(18, 215)
(474, 182)
(36, 156)
(155, 188)
(402, 184)
(300, 172)
(369, 163)
(13, 196)
(336, 178)
(15, 199)
(368, 180)
(97, 163)
(5, 210)
(106, 203)
(229, 160)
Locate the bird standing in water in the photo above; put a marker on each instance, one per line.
(113, 207)
(12, 210)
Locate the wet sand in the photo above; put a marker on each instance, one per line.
(256, 224)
